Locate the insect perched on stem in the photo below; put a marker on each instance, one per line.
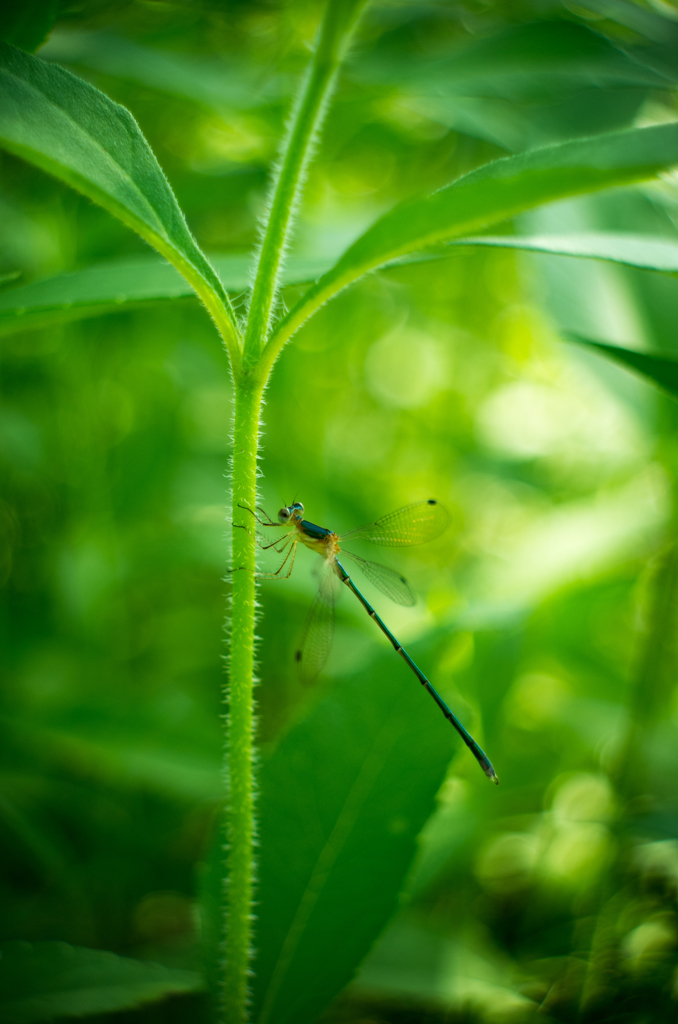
(414, 524)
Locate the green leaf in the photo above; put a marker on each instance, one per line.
(90, 292)
(426, 964)
(27, 23)
(523, 87)
(490, 194)
(115, 286)
(124, 283)
(645, 251)
(343, 798)
(658, 369)
(157, 767)
(523, 63)
(70, 129)
(517, 126)
(218, 85)
(47, 980)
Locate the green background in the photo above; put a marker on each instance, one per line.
(547, 612)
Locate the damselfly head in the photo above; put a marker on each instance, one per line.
(288, 513)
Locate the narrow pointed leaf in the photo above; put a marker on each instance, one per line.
(343, 798)
(91, 292)
(45, 981)
(70, 129)
(122, 285)
(492, 193)
(645, 251)
(658, 369)
(102, 289)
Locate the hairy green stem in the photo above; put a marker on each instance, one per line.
(307, 117)
(240, 821)
(340, 18)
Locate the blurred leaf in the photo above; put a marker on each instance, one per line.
(424, 964)
(27, 23)
(647, 251)
(655, 675)
(343, 798)
(158, 769)
(94, 291)
(524, 86)
(493, 193)
(215, 84)
(520, 62)
(495, 120)
(658, 369)
(70, 129)
(102, 289)
(516, 126)
(127, 751)
(657, 24)
(47, 980)
(114, 286)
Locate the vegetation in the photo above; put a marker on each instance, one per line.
(454, 277)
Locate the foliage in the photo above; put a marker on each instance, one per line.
(343, 798)
(550, 611)
(51, 980)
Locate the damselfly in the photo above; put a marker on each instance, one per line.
(414, 524)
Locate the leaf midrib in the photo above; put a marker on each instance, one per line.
(329, 854)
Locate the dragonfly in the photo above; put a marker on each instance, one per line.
(414, 524)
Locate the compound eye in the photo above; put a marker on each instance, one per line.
(283, 515)
(299, 507)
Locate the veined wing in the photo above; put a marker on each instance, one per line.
(388, 581)
(316, 640)
(414, 524)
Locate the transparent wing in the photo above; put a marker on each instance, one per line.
(316, 640)
(388, 581)
(414, 524)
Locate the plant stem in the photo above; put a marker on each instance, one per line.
(240, 822)
(307, 117)
(338, 22)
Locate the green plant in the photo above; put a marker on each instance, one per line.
(71, 130)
